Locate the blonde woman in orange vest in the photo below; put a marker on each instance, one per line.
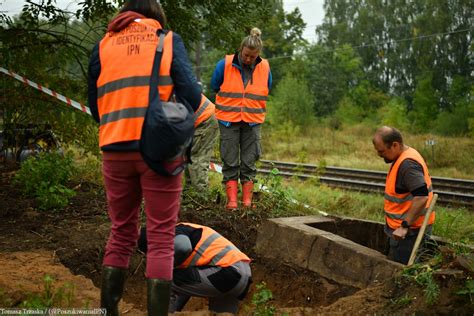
(408, 193)
(206, 265)
(119, 77)
(242, 82)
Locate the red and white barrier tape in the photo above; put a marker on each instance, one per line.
(217, 168)
(52, 93)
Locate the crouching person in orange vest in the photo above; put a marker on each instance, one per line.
(242, 82)
(408, 193)
(206, 265)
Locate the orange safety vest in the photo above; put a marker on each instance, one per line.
(126, 59)
(213, 249)
(205, 110)
(397, 205)
(234, 103)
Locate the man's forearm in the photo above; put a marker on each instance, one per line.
(416, 210)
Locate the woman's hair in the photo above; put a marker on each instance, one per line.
(149, 8)
(253, 41)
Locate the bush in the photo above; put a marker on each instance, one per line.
(349, 113)
(277, 199)
(44, 177)
(454, 123)
(261, 300)
(293, 102)
(394, 114)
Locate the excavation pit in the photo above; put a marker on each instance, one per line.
(366, 233)
(345, 250)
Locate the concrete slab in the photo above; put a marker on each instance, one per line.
(345, 250)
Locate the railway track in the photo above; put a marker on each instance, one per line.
(450, 191)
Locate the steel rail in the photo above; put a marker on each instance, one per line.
(450, 191)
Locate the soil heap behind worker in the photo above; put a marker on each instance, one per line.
(408, 193)
(242, 82)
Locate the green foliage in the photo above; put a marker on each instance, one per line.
(425, 104)
(423, 276)
(278, 199)
(331, 74)
(365, 96)
(45, 177)
(51, 296)
(282, 35)
(349, 113)
(53, 197)
(467, 290)
(399, 41)
(402, 301)
(394, 113)
(88, 167)
(292, 103)
(455, 123)
(470, 107)
(455, 226)
(54, 54)
(261, 300)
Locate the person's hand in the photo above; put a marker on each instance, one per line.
(400, 233)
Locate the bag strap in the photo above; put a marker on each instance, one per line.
(154, 95)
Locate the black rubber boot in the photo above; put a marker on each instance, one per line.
(111, 290)
(158, 297)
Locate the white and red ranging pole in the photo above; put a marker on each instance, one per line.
(52, 93)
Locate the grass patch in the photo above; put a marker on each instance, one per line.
(51, 296)
(454, 224)
(351, 147)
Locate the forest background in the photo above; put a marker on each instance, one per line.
(401, 63)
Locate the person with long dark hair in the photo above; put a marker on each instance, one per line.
(119, 81)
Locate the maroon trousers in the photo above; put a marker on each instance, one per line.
(127, 180)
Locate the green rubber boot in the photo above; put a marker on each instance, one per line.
(111, 290)
(158, 297)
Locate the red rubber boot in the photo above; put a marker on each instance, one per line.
(231, 191)
(247, 192)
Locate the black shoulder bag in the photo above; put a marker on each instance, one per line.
(168, 128)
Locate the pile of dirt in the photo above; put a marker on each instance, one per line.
(34, 243)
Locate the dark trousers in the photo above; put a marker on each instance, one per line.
(240, 150)
(400, 250)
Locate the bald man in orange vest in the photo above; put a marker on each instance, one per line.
(408, 193)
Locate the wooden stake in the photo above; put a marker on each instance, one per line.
(421, 233)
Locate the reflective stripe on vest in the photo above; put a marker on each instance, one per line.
(126, 59)
(206, 110)
(131, 82)
(234, 102)
(213, 249)
(241, 95)
(397, 205)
